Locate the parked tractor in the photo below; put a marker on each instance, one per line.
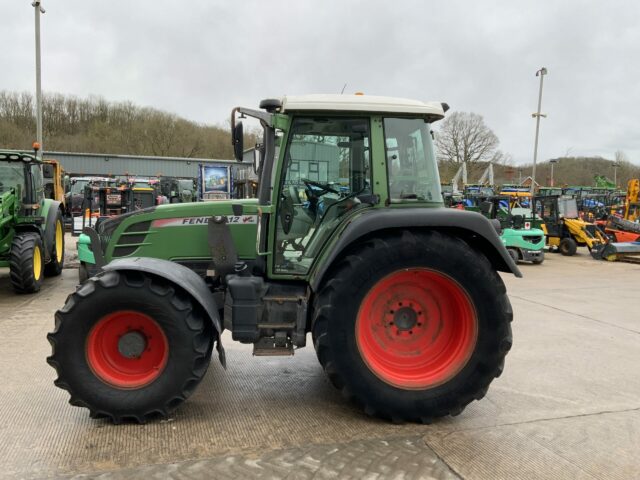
(401, 296)
(31, 226)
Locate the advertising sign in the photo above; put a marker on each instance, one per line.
(215, 182)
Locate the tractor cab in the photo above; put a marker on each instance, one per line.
(21, 180)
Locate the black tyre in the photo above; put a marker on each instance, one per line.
(412, 326)
(626, 225)
(26, 264)
(513, 253)
(56, 262)
(539, 260)
(568, 247)
(129, 346)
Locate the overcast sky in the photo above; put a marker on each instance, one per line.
(200, 58)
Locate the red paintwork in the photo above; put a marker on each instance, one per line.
(110, 365)
(436, 348)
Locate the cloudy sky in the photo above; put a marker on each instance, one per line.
(200, 58)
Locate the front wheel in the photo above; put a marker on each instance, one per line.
(26, 263)
(413, 327)
(568, 247)
(129, 346)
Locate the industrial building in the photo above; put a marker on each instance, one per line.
(105, 164)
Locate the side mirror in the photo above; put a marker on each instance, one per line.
(257, 158)
(238, 141)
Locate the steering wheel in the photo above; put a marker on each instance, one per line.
(324, 188)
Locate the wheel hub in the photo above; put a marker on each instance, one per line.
(405, 318)
(132, 344)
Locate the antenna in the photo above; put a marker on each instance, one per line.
(345, 86)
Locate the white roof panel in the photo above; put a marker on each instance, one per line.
(362, 103)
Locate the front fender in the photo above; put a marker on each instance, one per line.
(183, 277)
(472, 227)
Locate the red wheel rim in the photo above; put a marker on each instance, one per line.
(127, 349)
(416, 328)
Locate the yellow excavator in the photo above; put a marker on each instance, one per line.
(563, 228)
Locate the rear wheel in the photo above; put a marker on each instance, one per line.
(129, 346)
(26, 264)
(413, 327)
(568, 247)
(55, 265)
(513, 253)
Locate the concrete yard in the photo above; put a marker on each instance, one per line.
(566, 406)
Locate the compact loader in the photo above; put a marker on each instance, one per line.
(348, 243)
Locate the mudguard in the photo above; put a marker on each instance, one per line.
(182, 276)
(50, 228)
(472, 227)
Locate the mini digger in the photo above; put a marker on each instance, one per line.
(31, 226)
(348, 245)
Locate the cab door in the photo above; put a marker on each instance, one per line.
(326, 172)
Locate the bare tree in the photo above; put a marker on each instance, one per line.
(464, 137)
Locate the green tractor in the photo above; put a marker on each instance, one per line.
(349, 243)
(31, 226)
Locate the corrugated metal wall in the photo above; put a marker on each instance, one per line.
(136, 165)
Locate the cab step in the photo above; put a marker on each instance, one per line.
(272, 347)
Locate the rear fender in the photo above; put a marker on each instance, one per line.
(181, 276)
(472, 227)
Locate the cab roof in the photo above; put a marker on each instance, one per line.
(362, 103)
(16, 156)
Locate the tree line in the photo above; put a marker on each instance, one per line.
(97, 126)
(465, 137)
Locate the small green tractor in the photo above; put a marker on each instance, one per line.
(349, 244)
(31, 226)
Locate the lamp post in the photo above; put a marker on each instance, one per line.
(553, 161)
(615, 173)
(540, 73)
(38, 10)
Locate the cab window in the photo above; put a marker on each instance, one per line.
(327, 167)
(411, 163)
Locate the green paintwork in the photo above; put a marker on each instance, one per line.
(186, 241)
(517, 238)
(190, 242)
(11, 219)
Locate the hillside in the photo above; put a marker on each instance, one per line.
(567, 171)
(98, 126)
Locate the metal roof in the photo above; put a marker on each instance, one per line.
(105, 164)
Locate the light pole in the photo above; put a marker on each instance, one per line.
(553, 161)
(540, 73)
(38, 10)
(615, 173)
